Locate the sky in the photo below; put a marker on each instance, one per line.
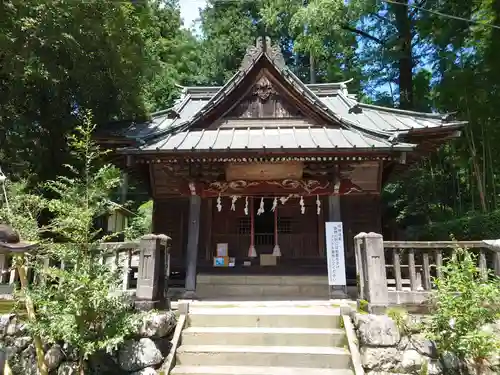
(190, 11)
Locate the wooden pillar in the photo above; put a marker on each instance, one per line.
(321, 229)
(192, 245)
(334, 208)
(209, 216)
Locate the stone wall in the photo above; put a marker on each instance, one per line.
(387, 349)
(142, 354)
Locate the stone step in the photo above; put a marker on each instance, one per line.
(272, 303)
(207, 291)
(254, 370)
(279, 317)
(263, 336)
(274, 356)
(261, 279)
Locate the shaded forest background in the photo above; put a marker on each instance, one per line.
(124, 60)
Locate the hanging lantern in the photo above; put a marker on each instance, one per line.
(302, 206)
(318, 205)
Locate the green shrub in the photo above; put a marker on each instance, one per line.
(463, 303)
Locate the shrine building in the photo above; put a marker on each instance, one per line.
(252, 170)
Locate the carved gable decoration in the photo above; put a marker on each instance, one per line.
(263, 89)
(263, 45)
(264, 101)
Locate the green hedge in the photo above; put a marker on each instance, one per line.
(472, 227)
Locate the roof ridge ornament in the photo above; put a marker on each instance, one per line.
(265, 46)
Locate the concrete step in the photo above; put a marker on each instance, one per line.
(279, 317)
(263, 336)
(254, 370)
(274, 356)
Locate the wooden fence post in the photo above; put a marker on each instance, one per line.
(373, 272)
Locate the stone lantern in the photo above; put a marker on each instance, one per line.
(11, 243)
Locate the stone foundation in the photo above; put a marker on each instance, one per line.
(141, 354)
(387, 349)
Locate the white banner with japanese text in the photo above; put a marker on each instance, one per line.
(335, 253)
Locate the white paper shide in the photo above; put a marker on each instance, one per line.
(335, 253)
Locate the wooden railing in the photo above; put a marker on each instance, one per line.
(122, 255)
(402, 272)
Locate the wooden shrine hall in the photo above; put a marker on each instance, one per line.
(252, 170)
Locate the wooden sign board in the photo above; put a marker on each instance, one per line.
(264, 171)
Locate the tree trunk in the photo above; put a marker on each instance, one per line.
(405, 60)
(312, 69)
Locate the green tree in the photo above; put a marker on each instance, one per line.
(58, 57)
(78, 304)
(228, 28)
(120, 59)
(175, 54)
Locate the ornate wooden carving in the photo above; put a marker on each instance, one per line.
(286, 187)
(264, 171)
(274, 53)
(263, 45)
(264, 101)
(254, 178)
(263, 89)
(364, 175)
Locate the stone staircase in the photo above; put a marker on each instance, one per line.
(261, 287)
(263, 340)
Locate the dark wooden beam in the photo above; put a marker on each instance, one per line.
(192, 245)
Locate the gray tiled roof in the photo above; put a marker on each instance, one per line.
(369, 117)
(349, 124)
(383, 119)
(306, 138)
